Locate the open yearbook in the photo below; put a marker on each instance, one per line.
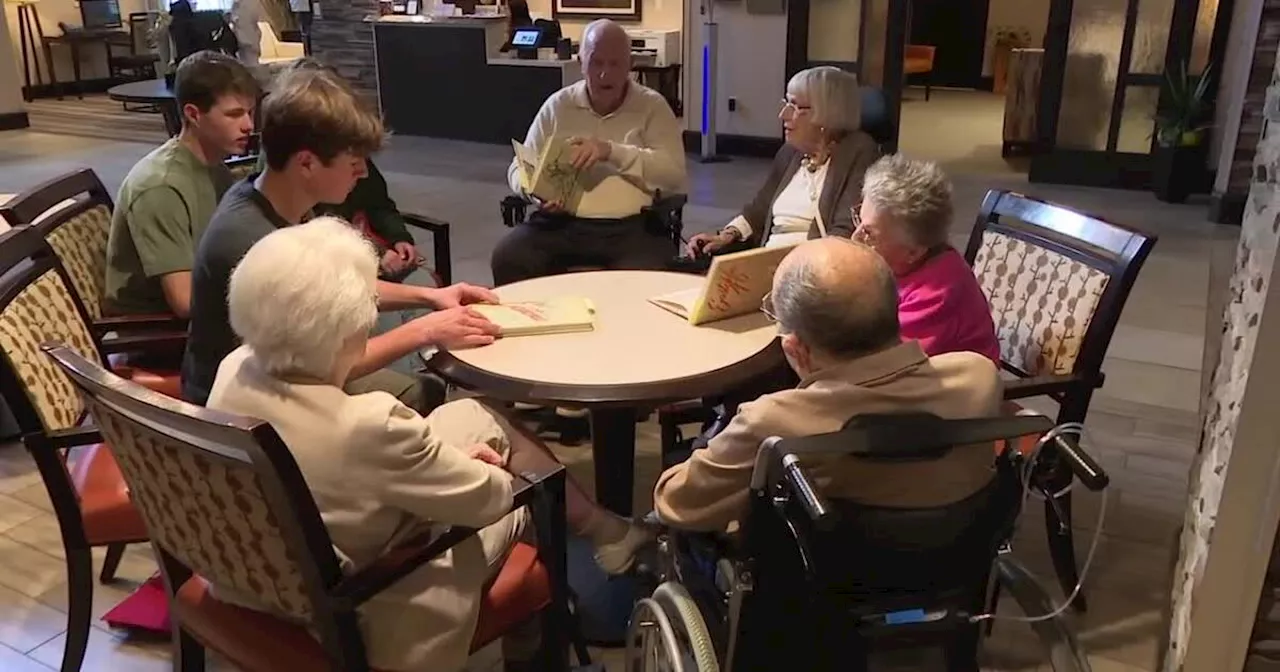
(534, 318)
(735, 285)
(549, 175)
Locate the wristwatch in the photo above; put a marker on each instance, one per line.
(733, 233)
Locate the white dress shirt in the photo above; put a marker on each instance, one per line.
(646, 149)
(794, 210)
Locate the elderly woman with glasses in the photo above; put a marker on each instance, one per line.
(816, 178)
(905, 215)
(302, 302)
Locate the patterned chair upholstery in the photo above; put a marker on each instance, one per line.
(78, 233)
(1057, 281)
(79, 472)
(227, 505)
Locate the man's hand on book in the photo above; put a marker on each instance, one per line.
(588, 152)
(455, 328)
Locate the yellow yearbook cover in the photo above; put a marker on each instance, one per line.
(549, 175)
(735, 285)
(532, 318)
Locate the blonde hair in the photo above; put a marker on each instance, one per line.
(301, 292)
(835, 100)
(311, 108)
(914, 193)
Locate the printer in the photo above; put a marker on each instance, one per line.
(662, 44)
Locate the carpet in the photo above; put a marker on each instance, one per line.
(95, 117)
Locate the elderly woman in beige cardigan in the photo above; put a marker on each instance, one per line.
(302, 301)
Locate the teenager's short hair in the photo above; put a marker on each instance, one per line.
(205, 76)
(311, 108)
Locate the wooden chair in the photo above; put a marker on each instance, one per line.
(73, 212)
(441, 245)
(1057, 281)
(89, 497)
(918, 60)
(255, 529)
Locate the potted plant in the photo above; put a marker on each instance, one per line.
(1005, 40)
(1178, 161)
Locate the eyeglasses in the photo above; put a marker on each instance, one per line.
(766, 307)
(795, 107)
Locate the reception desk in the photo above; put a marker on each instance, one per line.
(445, 78)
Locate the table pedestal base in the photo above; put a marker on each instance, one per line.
(613, 450)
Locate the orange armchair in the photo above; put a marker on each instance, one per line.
(918, 60)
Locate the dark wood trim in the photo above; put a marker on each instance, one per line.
(1122, 68)
(1091, 168)
(506, 388)
(12, 121)
(736, 145)
(847, 66)
(1227, 207)
(99, 85)
(1057, 33)
(895, 49)
(987, 83)
(797, 47)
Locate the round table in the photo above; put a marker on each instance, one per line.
(151, 92)
(637, 357)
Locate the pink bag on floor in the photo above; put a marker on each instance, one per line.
(146, 609)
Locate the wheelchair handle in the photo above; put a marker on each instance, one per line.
(803, 489)
(1081, 464)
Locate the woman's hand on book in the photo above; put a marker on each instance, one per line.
(455, 328)
(462, 294)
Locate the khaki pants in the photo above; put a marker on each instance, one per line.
(421, 393)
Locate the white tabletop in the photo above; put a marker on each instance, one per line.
(634, 341)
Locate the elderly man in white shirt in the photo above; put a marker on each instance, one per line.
(628, 145)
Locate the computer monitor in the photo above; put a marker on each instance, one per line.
(526, 38)
(100, 14)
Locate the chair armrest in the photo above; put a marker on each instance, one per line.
(157, 322)
(403, 560)
(441, 246)
(140, 342)
(1038, 386)
(73, 437)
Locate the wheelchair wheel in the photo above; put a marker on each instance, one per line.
(667, 634)
(1056, 636)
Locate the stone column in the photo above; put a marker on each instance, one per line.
(342, 39)
(1234, 500)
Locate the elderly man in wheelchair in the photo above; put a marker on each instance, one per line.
(886, 536)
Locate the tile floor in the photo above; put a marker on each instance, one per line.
(1143, 425)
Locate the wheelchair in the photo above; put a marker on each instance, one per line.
(812, 584)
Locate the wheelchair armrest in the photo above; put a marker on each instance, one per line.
(514, 210)
(131, 323)
(668, 203)
(1044, 385)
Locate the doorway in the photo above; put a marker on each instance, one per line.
(957, 30)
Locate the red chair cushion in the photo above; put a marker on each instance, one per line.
(165, 381)
(258, 642)
(108, 515)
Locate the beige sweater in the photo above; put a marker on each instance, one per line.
(710, 490)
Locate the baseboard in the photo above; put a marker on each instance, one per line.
(12, 121)
(69, 88)
(735, 145)
(1227, 208)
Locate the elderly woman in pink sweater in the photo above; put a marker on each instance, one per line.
(905, 215)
